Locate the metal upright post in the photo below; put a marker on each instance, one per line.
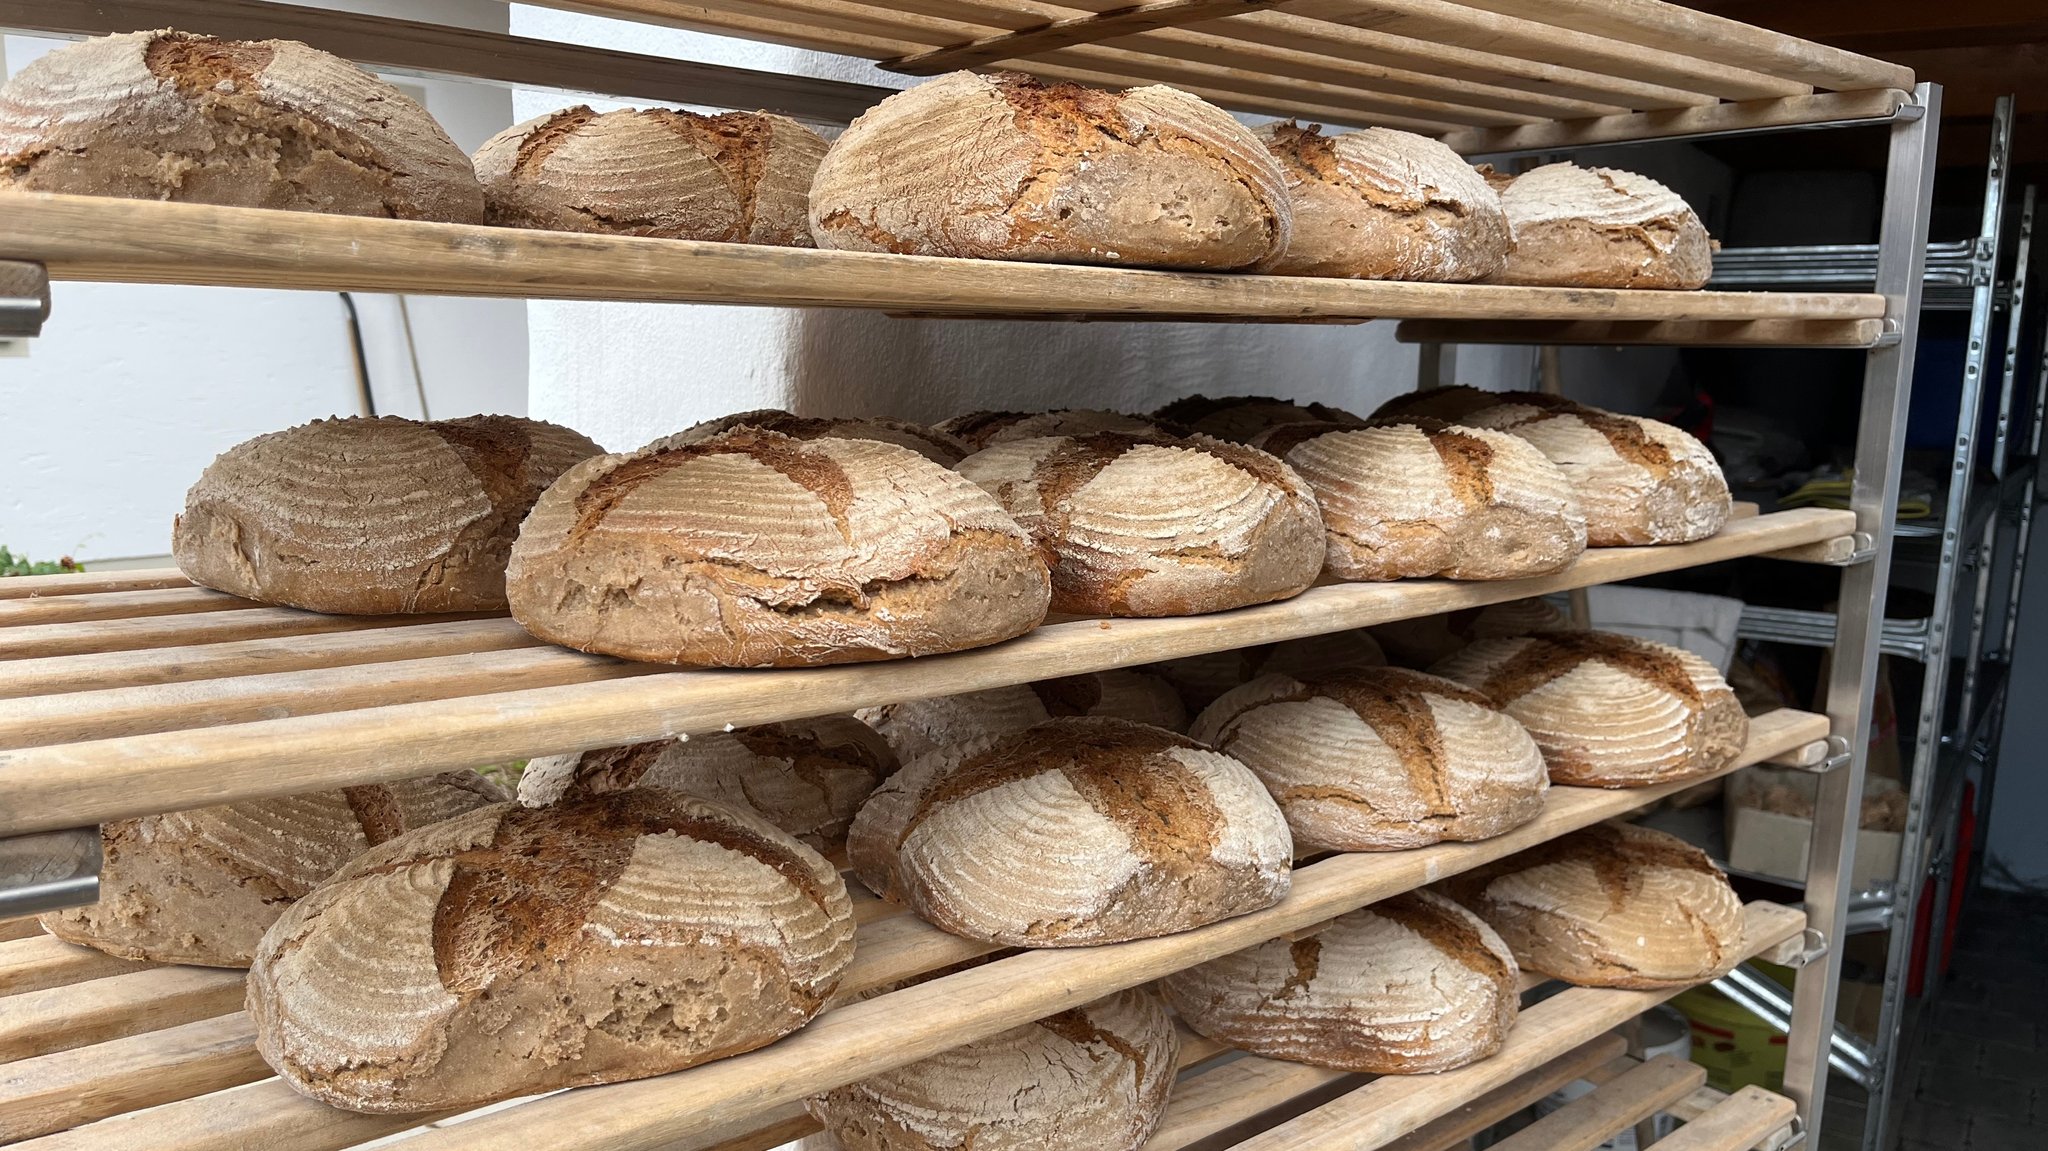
(1874, 497)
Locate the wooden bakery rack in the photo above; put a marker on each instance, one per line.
(133, 693)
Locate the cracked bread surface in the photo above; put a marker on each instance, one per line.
(166, 115)
(1602, 228)
(516, 950)
(750, 548)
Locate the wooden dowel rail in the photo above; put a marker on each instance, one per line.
(92, 582)
(37, 962)
(1454, 1128)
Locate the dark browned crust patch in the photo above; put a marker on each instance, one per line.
(377, 812)
(1451, 935)
(549, 135)
(1077, 1028)
(1068, 695)
(1550, 655)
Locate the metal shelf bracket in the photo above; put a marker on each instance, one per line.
(24, 299)
(48, 871)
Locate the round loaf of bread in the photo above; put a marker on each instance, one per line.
(1239, 418)
(980, 429)
(939, 447)
(1074, 832)
(1408, 985)
(1451, 404)
(515, 950)
(1609, 710)
(1200, 679)
(754, 549)
(919, 726)
(1639, 480)
(244, 123)
(1154, 524)
(1382, 204)
(372, 516)
(741, 176)
(1380, 759)
(1602, 228)
(1410, 500)
(1614, 905)
(805, 776)
(1092, 1079)
(1007, 167)
(201, 886)
(1430, 639)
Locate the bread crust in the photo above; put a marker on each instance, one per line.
(1383, 204)
(167, 115)
(755, 549)
(736, 176)
(514, 950)
(1409, 985)
(1602, 228)
(1006, 167)
(1240, 418)
(920, 726)
(978, 430)
(371, 516)
(939, 447)
(1200, 679)
(1430, 639)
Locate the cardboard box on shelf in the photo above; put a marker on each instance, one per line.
(1771, 843)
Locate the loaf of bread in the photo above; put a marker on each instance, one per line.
(1410, 500)
(1076, 831)
(980, 429)
(755, 549)
(1154, 524)
(1407, 985)
(1239, 418)
(937, 446)
(805, 776)
(1379, 759)
(916, 727)
(1602, 228)
(1200, 679)
(1639, 480)
(515, 950)
(372, 516)
(741, 176)
(244, 123)
(1613, 905)
(1427, 640)
(1609, 710)
(1385, 205)
(1091, 1079)
(1007, 167)
(201, 886)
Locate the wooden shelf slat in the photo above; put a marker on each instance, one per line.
(91, 582)
(1088, 29)
(57, 1018)
(46, 609)
(1690, 333)
(68, 785)
(1745, 1119)
(95, 238)
(1711, 120)
(20, 927)
(87, 637)
(65, 1089)
(1597, 1116)
(1453, 1128)
(37, 962)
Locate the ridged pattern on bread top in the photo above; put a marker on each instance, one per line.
(752, 548)
(1239, 418)
(514, 950)
(805, 776)
(1074, 832)
(919, 726)
(1613, 905)
(1410, 500)
(1201, 678)
(739, 176)
(1149, 525)
(938, 446)
(981, 429)
(202, 885)
(1602, 228)
(1426, 640)
(1382, 204)
(1408, 985)
(1008, 167)
(370, 516)
(246, 123)
(1380, 759)
(1609, 710)
(1092, 1079)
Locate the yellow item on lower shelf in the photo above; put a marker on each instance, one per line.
(1735, 1047)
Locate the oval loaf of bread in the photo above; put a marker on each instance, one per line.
(244, 123)
(1639, 480)
(372, 516)
(1239, 418)
(1609, 710)
(1426, 640)
(1382, 204)
(981, 429)
(1007, 167)
(1614, 905)
(805, 776)
(754, 549)
(741, 176)
(515, 950)
(1200, 679)
(1074, 832)
(201, 886)
(1380, 759)
(1152, 525)
(937, 446)
(1409, 500)
(916, 727)
(1091, 1079)
(1408, 985)
(1602, 228)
